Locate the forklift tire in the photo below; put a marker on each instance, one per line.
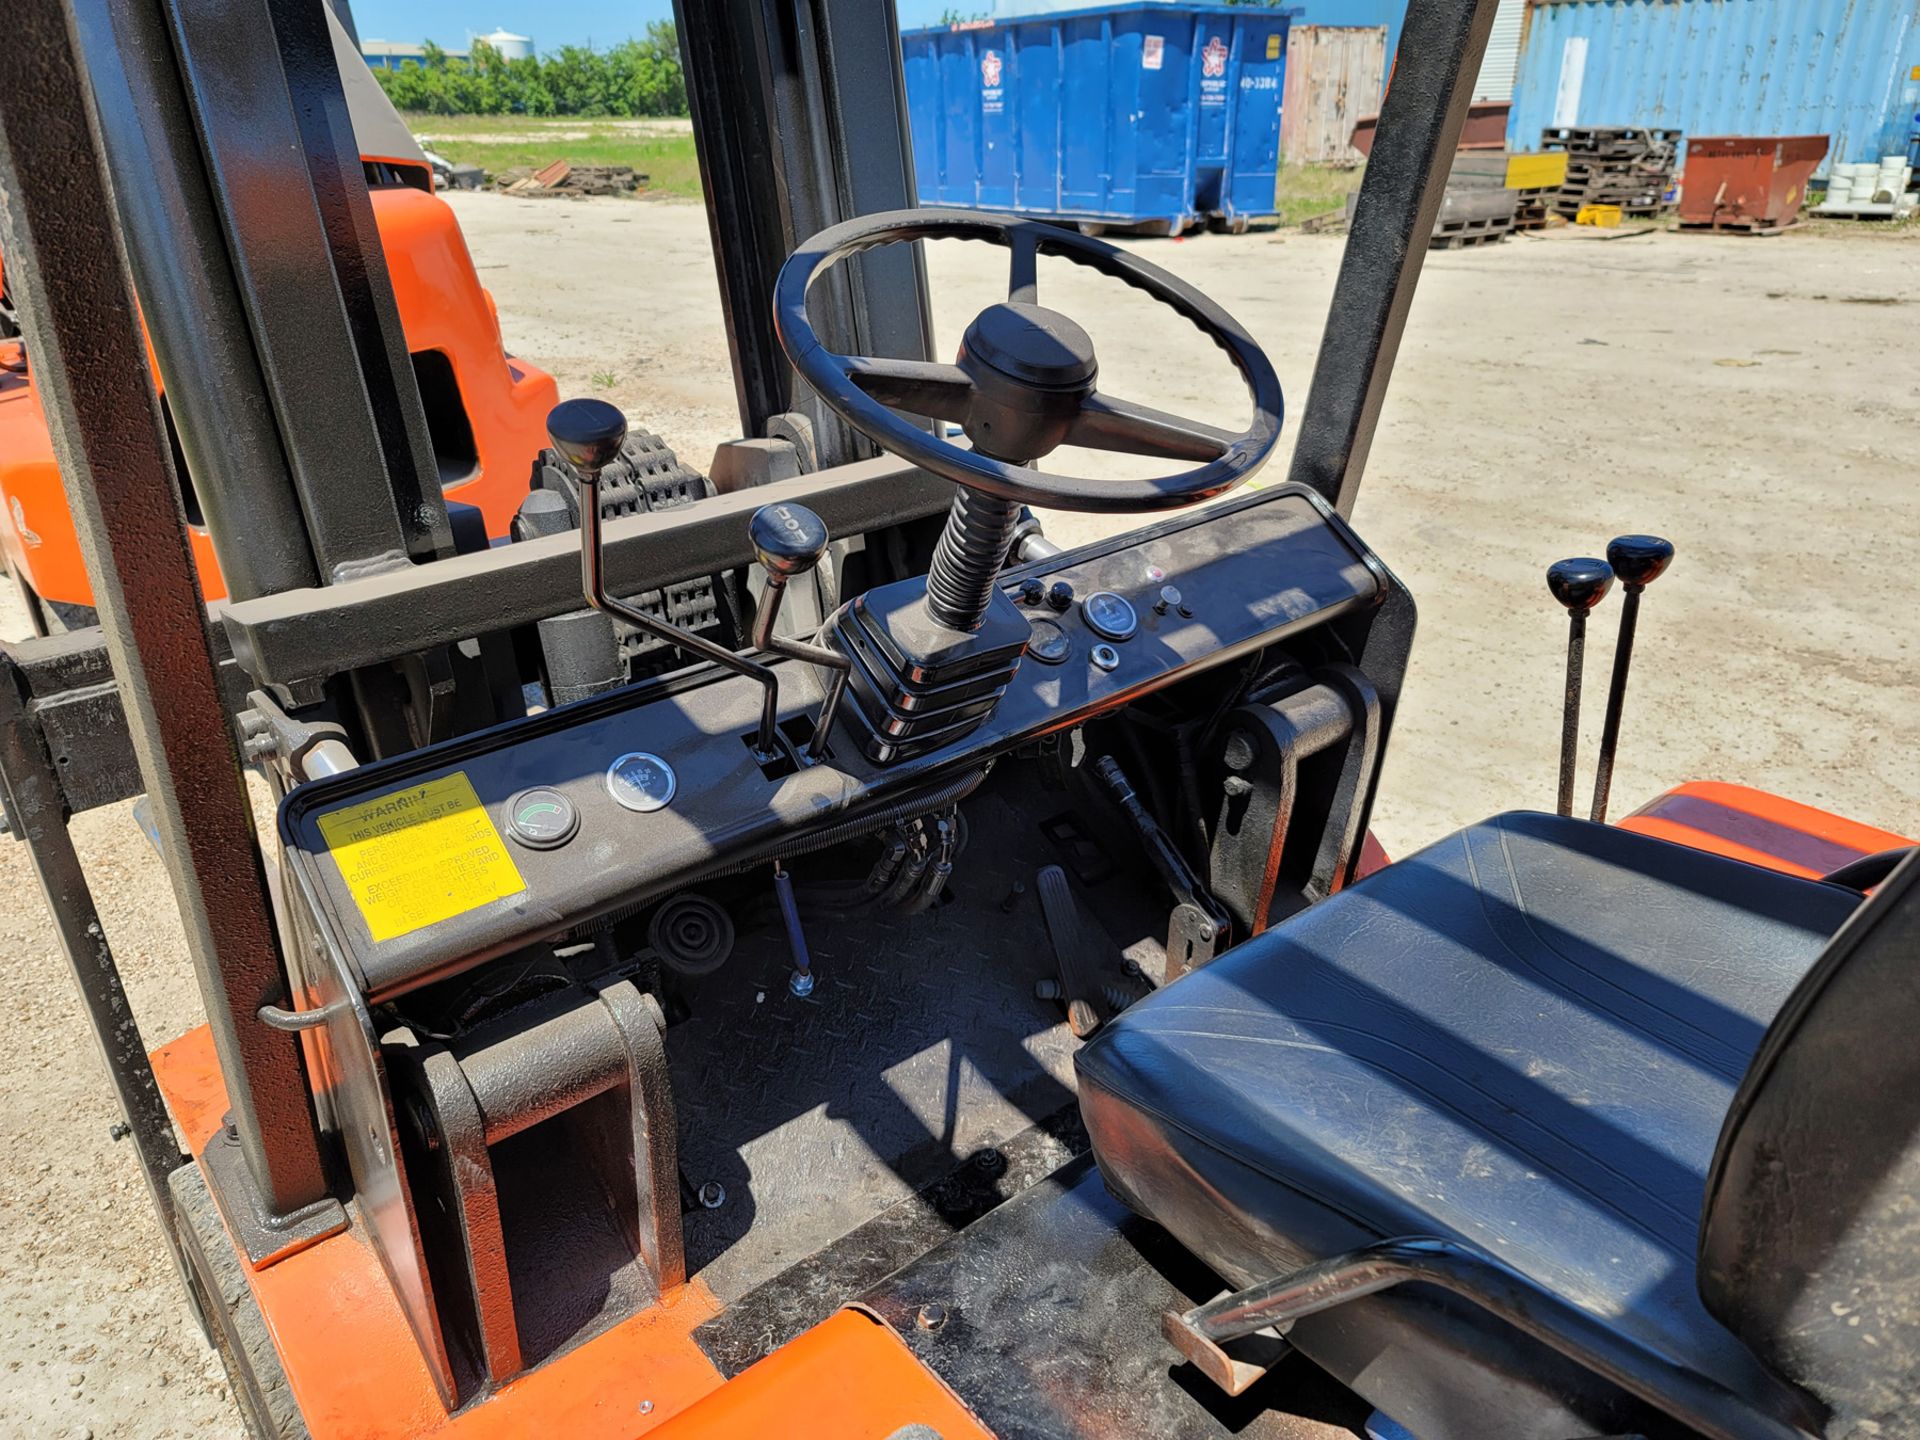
(228, 1313)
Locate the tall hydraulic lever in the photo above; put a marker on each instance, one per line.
(790, 540)
(588, 434)
(1638, 560)
(1579, 584)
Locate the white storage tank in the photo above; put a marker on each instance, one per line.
(510, 46)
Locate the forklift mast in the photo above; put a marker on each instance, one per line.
(800, 122)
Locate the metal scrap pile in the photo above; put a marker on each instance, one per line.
(572, 181)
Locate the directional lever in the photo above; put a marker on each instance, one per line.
(790, 540)
(1578, 584)
(1638, 560)
(588, 434)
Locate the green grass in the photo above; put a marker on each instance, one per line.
(1304, 191)
(511, 142)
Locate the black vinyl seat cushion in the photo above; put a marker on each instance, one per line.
(1525, 1037)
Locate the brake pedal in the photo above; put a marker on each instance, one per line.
(1080, 950)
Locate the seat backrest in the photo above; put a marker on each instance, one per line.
(1810, 1240)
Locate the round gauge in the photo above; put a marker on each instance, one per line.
(1048, 643)
(1110, 616)
(542, 818)
(641, 782)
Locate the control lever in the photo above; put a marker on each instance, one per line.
(789, 541)
(800, 978)
(1579, 584)
(1638, 560)
(1198, 928)
(588, 434)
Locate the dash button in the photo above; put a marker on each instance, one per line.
(542, 818)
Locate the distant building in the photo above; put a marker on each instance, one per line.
(392, 54)
(509, 45)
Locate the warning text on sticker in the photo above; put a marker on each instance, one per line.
(414, 857)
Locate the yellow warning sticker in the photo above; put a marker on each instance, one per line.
(417, 856)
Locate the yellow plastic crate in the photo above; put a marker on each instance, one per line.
(1605, 216)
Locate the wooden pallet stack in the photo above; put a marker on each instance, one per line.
(1535, 180)
(1478, 208)
(1532, 208)
(1476, 215)
(1626, 166)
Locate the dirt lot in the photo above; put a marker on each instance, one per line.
(1756, 401)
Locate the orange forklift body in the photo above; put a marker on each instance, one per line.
(356, 1371)
(444, 311)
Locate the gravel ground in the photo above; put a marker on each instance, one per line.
(1755, 400)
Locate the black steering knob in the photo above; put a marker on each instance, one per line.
(1580, 583)
(1639, 560)
(587, 433)
(788, 539)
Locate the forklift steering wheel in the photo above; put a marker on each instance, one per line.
(1024, 381)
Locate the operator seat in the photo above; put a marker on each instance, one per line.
(1593, 1056)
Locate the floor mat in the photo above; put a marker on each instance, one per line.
(921, 1044)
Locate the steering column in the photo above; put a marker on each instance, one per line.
(929, 658)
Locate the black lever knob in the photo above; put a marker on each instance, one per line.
(1580, 583)
(1639, 560)
(587, 433)
(788, 539)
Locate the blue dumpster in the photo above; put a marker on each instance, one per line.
(1148, 116)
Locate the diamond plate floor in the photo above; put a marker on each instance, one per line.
(921, 1044)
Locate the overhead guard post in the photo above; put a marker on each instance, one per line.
(1433, 74)
(83, 330)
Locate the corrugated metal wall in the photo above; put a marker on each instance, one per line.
(1502, 60)
(1334, 76)
(1842, 68)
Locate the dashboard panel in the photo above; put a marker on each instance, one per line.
(418, 866)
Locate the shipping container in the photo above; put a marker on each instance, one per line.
(1847, 69)
(1502, 60)
(1151, 117)
(1352, 14)
(1335, 74)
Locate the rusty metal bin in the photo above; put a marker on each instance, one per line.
(1747, 182)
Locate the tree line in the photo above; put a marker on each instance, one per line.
(634, 78)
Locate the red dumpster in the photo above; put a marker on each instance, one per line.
(1747, 182)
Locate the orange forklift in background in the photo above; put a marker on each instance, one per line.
(646, 1016)
(485, 409)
